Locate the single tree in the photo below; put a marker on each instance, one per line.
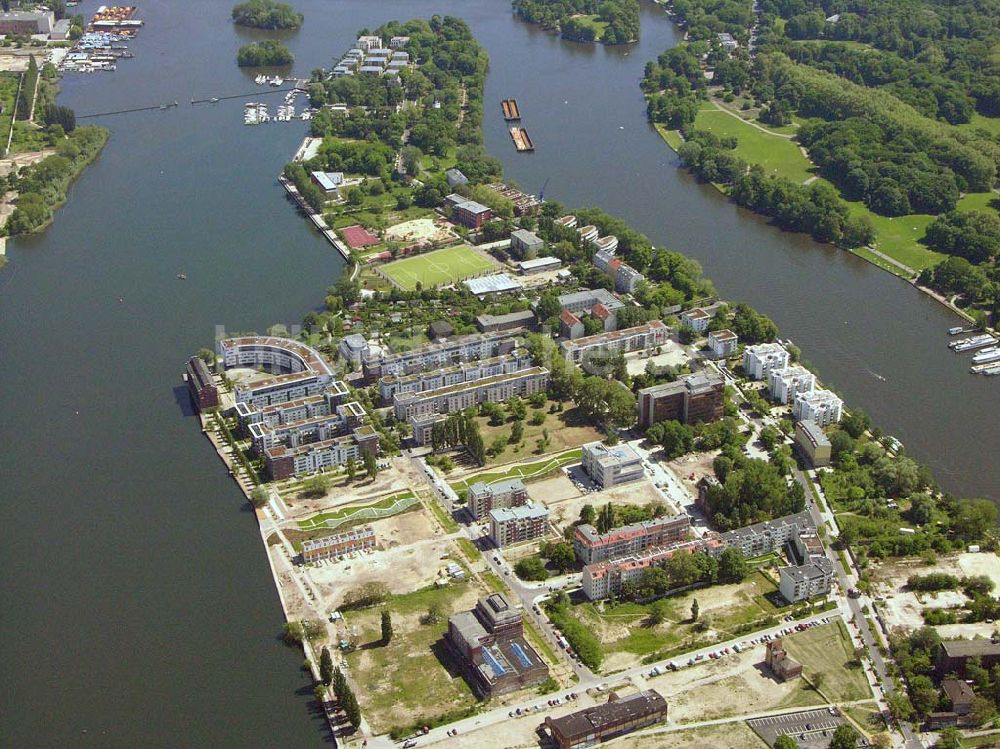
(371, 465)
(386, 627)
(694, 610)
(435, 613)
(351, 467)
(326, 666)
(657, 613)
(785, 742)
(845, 737)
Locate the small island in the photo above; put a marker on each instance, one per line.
(266, 14)
(611, 22)
(266, 53)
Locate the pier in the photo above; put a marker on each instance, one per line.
(316, 218)
(510, 109)
(521, 140)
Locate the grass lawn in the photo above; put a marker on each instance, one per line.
(8, 91)
(672, 137)
(778, 155)
(595, 23)
(387, 503)
(528, 471)
(827, 650)
(437, 268)
(979, 122)
(447, 522)
(566, 429)
(411, 680)
(621, 627)
(737, 735)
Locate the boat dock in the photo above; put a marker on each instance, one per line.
(990, 370)
(521, 140)
(316, 218)
(510, 109)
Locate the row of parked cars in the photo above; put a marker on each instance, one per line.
(554, 702)
(739, 647)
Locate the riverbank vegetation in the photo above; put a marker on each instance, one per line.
(266, 14)
(894, 117)
(268, 52)
(610, 21)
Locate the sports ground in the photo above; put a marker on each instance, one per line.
(436, 268)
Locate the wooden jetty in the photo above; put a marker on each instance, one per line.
(510, 109)
(521, 140)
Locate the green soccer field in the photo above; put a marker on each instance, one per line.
(437, 268)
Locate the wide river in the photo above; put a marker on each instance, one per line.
(137, 608)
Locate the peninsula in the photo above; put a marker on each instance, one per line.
(526, 474)
(609, 22)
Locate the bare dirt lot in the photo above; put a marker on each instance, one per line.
(902, 608)
(418, 230)
(691, 468)
(731, 735)
(567, 510)
(409, 558)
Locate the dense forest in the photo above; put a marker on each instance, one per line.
(894, 102)
(268, 52)
(607, 21)
(266, 14)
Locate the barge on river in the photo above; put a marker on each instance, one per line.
(511, 112)
(521, 140)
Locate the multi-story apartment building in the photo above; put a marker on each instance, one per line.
(591, 546)
(611, 466)
(396, 384)
(344, 419)
(693, 399)
(624, 276)
(488, 642)
(204, 393)
(514, 525)
(820, 406)
(471, 214)
(436, 355)
(811, 441)
(525, 245)
(603, 579)
(586, 301)
(761, 538)
(696, 318)
(784, 384)
(722, 343)
(761, 358)
(464, 394)
(482, 497)
(286, 412)
(330, 547)
(284, 462)
(298, 370)
(649, 335)
(801, 583)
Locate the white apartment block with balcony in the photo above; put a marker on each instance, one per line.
(457, 397)
(761, 358)
(785, 384)
(820, 406)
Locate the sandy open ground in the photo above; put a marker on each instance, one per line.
(567, 509)
(902, 608)
(399, 477)
(409, 557)
(417, 230)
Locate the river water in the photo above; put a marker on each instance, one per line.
(137, 607)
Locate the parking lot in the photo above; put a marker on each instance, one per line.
(811, 729)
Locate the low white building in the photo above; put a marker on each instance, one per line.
(696, 318)
(761, 358)
(820, 406)
(785, 384)
(611, 466)
(723, 343)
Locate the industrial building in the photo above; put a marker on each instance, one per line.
(611, 466)
(514, 525)
(488, 642)
(538, 265)
(498, 283)
(470, 214)
(204, 393)
(616, 717)
(591, 546)
(782, 665)
(692, 399)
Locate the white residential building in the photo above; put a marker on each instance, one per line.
(785, 384)
(723, 343)
(820, 406)
(696, 318)
(611, 466)
(761, 358)
(804, 582)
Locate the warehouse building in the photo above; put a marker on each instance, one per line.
(616, 717)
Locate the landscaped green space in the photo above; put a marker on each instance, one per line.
(407, 682)
(8, 90)
(343, 513)
(534, 470)
(565, 429)
(778, 155)
(437, 268)
(827, 650)
(593, 22)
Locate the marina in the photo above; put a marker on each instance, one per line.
(104, 42)
(973, 342)
(510, 109)
(521, 140)
(986, 369)
(987, 355)
(257, 113)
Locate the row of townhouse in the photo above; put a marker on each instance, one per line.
(457, 397)
(339, 544)
(392, 385)
(473, 347)
(591, 546)
(586, 351)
